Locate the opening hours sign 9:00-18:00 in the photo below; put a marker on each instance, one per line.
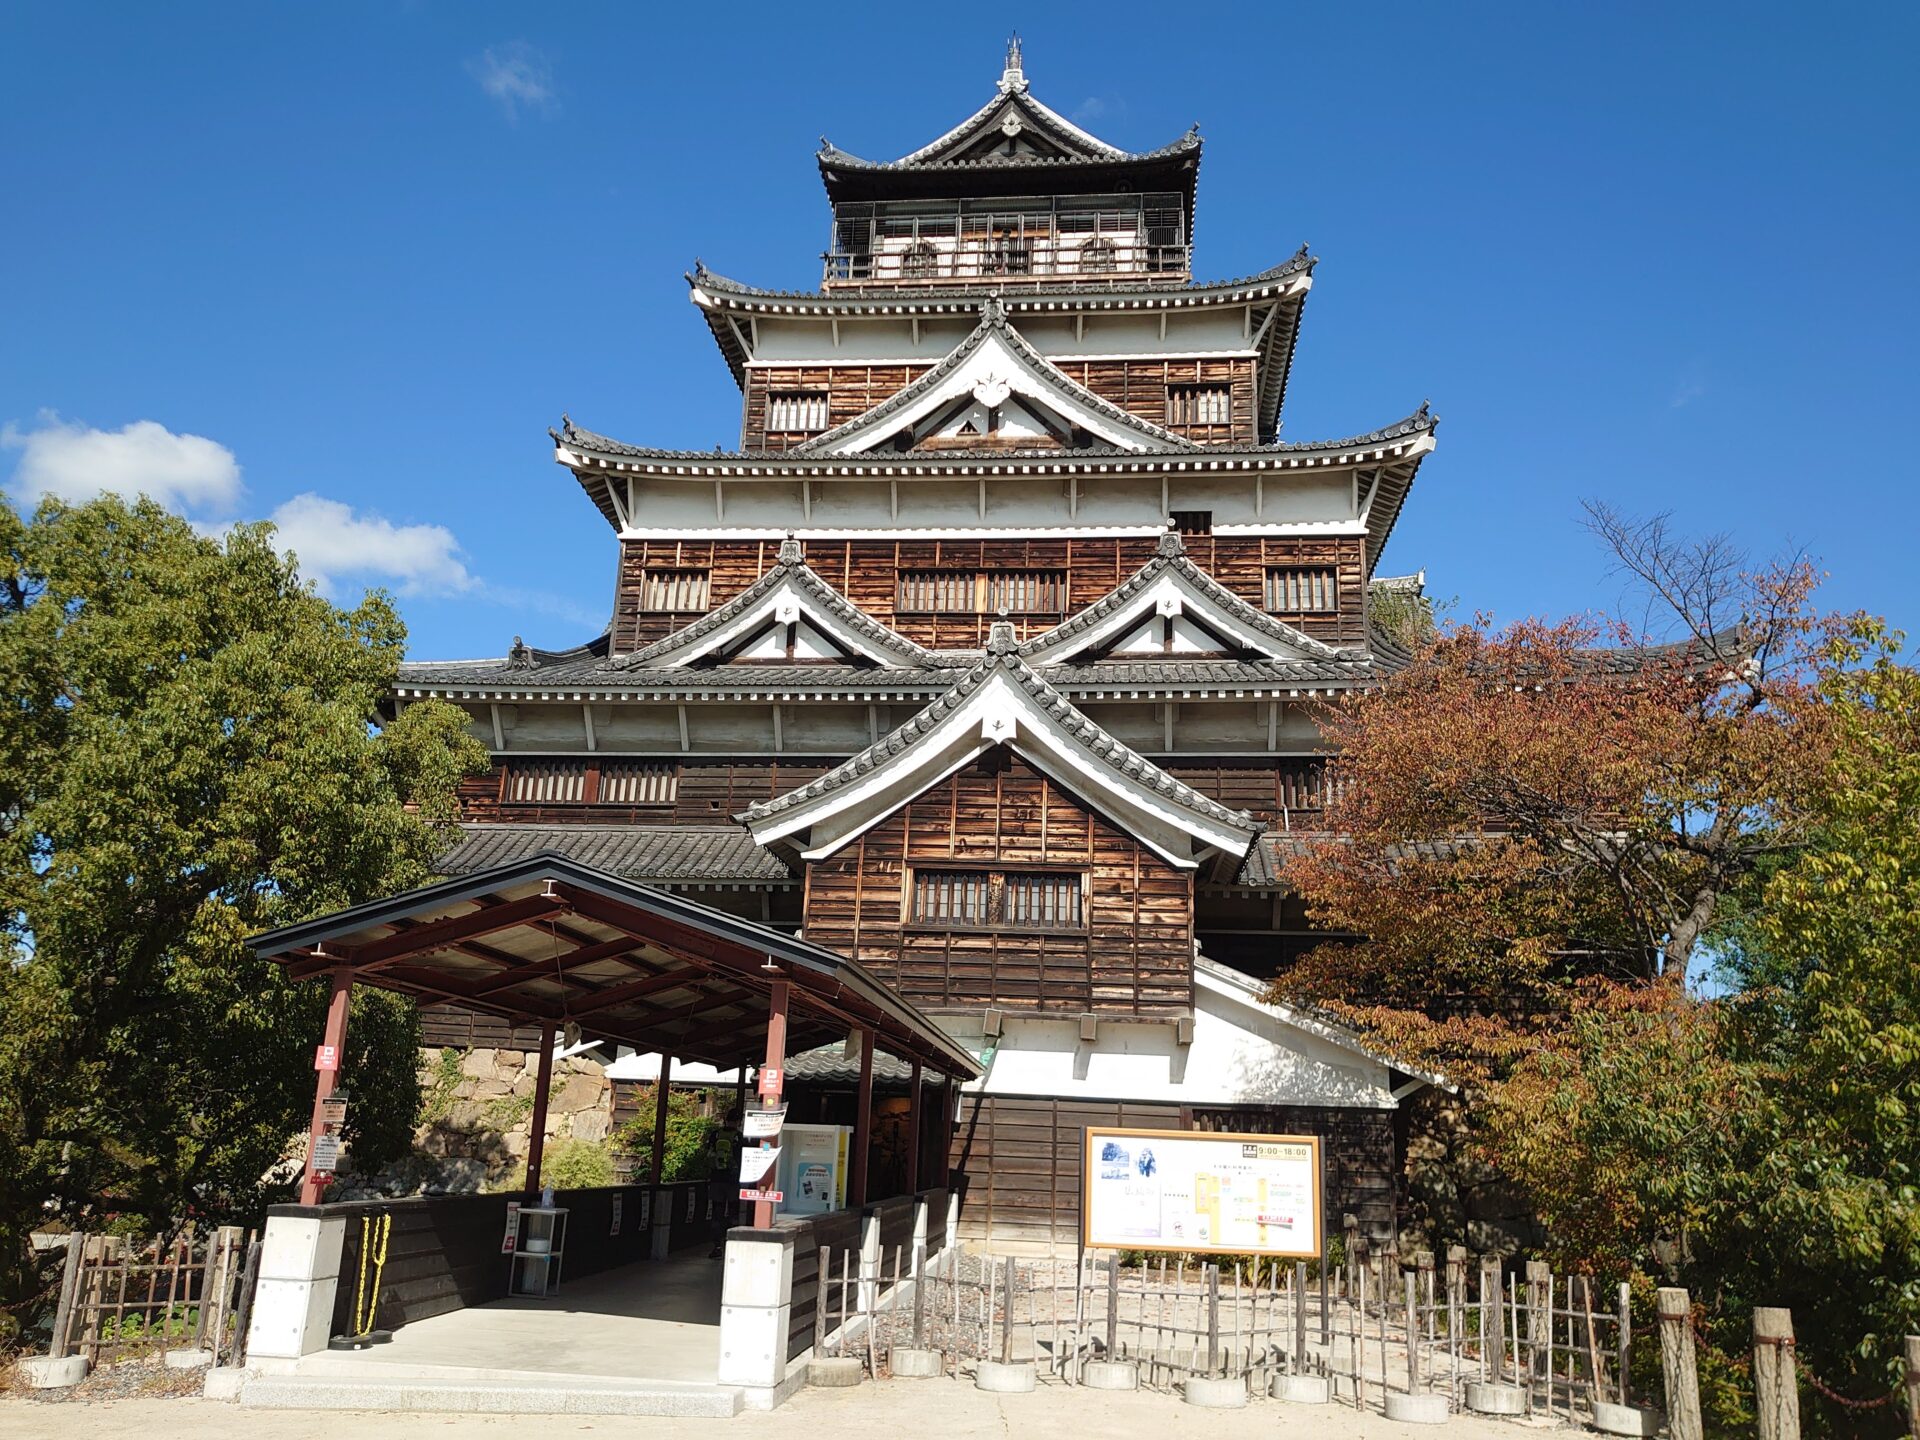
(1201, 1192)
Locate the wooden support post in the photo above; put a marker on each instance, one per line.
(1006, 1316)
(1678, 1368)
(662, 1093)
(1776, 1390)
(775, 1067)
(1539, 1332)
(1213, 1319)
(862, 1125)
(57, 1343)
(916, 1131)
(542, 1092)
(1624, 1342)
(1911, 1348)
(325, 1081)
(1113, 1306)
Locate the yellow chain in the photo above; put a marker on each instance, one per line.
(383, 1228)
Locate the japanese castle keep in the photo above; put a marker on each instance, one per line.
(988, 658)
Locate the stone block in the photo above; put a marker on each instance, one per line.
(1417, 1409)
(1491, 1397)
(836, 1372)
(753, 1343)
(1303, 1389)
(910, 1363)
(223, 1382)
(1110, 1375)
(1612, 1419)
(757, 1272)
(1003, 1379)
(189, 1359)
(291, 1318)
(592, 1125)
(1215, 1394)
(42, 1372)
(477, 1064)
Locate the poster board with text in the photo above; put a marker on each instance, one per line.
(1201, 1192)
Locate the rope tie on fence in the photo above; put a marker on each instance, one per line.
(1786, 1342)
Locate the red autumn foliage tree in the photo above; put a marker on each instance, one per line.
(1523, 812)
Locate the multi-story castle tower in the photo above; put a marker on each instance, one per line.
(990, 656)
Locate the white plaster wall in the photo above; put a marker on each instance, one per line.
(1240, 1055)
(785, 341)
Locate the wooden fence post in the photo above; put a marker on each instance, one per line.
(1539, 1331)
(1911, 1347)
(1776, 1392)
(1678, 1368)
(57, 1343)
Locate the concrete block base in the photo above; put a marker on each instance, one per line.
(189, 1359)
(836, 1372)
(911, 1364)
(999, 1379)
(1110, 1375)
(42, 1372)
(1216, 1394)
(1491, 1397)
(224, 1382)
(1417, 1409)
(1303, 1389)
(1611, 1419)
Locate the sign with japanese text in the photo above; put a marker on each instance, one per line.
(770, 1080)
(326, 1057)
(764, 1124)
(1195, 1191)
(513, 1227)
(772, 1197)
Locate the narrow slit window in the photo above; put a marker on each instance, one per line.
(950, 897)
(797, 412)
(1302, 589)
(673, 591)
(974, 592)
(1043, 902)
(985, 899)
(629, 783)
(1190, 405)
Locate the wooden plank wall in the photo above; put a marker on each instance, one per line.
(707, 792)
(1136, 386)
(1017, 1160)
(454, 1027)
(1135, 956)
(867, 571)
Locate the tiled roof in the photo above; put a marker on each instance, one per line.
(1420, 422)
(829, 1065)
(789, 568)
(1036, 298)
(1002, 659)
(679, 853)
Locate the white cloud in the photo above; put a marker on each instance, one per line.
(514, 76)
(333, 542)
(1691, 385)
(75, 463)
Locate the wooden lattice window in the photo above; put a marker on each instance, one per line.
(1302, 589)
(978, 592)
(950, 897)
(674, 590)
(1026, 592)
(624, 782)
(1043, 901)
(1302, 785)
(547, 782)
(1199, 405)
(1192, 522)
(989, 899)
(801, 412)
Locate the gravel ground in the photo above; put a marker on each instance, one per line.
(128, 1380)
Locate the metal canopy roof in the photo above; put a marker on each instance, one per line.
(548, 940)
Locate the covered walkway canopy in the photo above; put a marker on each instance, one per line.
(551, 942)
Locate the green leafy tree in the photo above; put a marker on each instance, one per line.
(689, 1143)
(189, 757)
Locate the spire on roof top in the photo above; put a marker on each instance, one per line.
(1013, 77)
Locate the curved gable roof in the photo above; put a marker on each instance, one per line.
(992, 346)
(790, 580)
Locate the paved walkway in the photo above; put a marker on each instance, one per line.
(935, 1409)
(656, 1321)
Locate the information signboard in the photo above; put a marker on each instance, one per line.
(1201, 1192)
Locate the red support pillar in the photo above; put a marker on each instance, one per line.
(325, 1081)
(773, 1069)
(542, 1090)
(862, 1125)
(916, 1131)
(662, 1093)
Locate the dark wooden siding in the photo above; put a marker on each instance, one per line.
(867, 573)
(1133, 956)
(1137, 386)
(453, 1027)
(1017, 1160)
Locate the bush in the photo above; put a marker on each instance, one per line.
(689, 1153)
(569, 1165)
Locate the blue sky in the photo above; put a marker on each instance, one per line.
(345, 264)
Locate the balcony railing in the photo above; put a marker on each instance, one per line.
(1029, 258)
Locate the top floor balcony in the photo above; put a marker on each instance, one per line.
(1115, 240)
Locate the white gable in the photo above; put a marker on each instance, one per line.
(1202, 622)
(791, 602)
(1001, 711)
